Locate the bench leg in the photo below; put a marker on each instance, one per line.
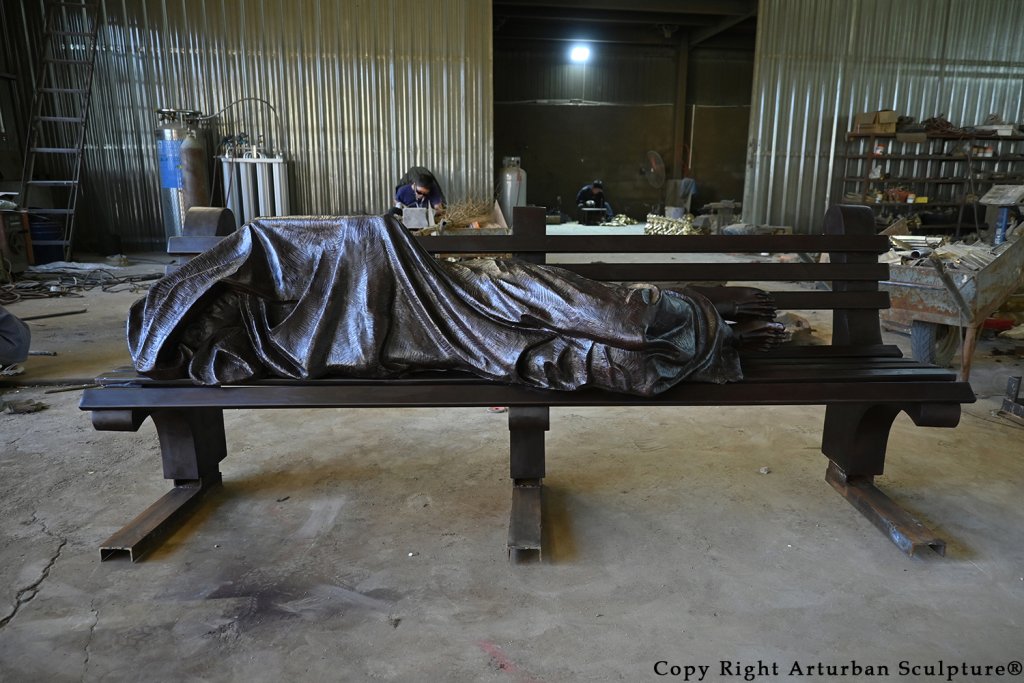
(855, 437)
(192, 444)
(526, 436)
(900, 526)
(854, 440)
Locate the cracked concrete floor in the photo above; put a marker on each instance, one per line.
(369, 545)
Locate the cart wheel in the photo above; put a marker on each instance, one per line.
(934, 343)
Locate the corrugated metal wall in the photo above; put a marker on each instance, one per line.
(820, 62)
(720, 77)
(363, 89)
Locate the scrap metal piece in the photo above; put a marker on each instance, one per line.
(662, 225)
(951, 287)
(22, 407)
(43, 316)
(158, 521)
(909, 534)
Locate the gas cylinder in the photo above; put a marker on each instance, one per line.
(512, 187)
(195, 172)
(172, 130)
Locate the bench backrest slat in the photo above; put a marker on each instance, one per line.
(656, 244)
(738, 272)
(852, 270)
(659, 245)
(802, 300)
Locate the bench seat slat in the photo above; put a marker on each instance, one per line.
(386, 394)
(863, 372)
(730, 272)
(826, 380)
(829, 351)
(753, 361)
(818, 356)
(127, 374)
(787, 369)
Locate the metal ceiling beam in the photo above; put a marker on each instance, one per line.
(635, 34)
(700, 35)
(594, 33)
(714, 7)
(602, 16)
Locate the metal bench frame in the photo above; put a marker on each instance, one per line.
(863, 383)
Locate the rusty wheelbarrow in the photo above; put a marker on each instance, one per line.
(943, 308)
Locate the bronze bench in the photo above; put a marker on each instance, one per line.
(863, 383)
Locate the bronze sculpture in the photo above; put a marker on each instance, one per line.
(311, 297)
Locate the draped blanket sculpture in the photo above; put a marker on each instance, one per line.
(311, 297)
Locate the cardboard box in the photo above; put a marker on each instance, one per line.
(883, 121)
(864, 123)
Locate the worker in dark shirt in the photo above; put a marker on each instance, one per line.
(14, 339)
(419, 189)
(591, 195)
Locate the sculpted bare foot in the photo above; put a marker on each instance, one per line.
(739, 303)
(759, 335)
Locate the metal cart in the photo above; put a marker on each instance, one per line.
(941, 306)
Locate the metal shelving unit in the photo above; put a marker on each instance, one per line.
(951, 171)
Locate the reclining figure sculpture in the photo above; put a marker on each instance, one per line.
(312, 297)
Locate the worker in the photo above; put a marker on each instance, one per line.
(420, 189)
(591, 196)
(14, 339)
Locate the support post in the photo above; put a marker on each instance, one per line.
(149, 529)
(526, 425)
(855, 437)
(856, 327)
(192, 444)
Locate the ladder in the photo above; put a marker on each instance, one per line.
(60, 111)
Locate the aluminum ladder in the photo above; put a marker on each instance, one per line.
(60, 111)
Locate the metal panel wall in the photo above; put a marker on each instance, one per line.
(818, 62)
(619, 74)
(720, 77)
(361, 90)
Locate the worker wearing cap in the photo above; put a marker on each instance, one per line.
(591, 195)
(14, 339)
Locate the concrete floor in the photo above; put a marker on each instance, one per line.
(369, 545)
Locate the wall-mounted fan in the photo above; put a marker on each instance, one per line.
(653, 169)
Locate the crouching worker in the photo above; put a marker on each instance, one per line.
(418, 189)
